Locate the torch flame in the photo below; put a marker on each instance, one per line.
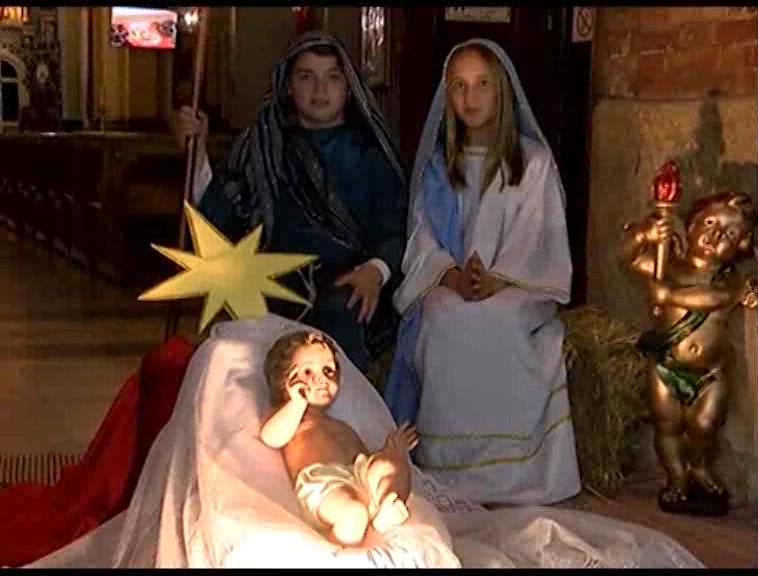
(667, 184)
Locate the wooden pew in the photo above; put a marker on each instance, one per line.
(97, 198)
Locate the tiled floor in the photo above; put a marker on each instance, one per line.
(68, 341)
(724, 542)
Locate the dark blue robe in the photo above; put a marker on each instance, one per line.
(361, 184)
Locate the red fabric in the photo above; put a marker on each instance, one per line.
(36, 520)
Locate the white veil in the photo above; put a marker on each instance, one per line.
(211, 494)
(527, 123)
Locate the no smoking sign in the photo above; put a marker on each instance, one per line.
(584, 24)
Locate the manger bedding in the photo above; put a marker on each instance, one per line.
(211, 494)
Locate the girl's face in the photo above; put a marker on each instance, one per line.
(318, 88)
(472, 90)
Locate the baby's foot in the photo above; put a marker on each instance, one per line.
(392, 512)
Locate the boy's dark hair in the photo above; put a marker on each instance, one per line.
(279, 360)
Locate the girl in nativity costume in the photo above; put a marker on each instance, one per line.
(320, 172)
(478, 365)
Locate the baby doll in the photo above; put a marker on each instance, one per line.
(340, 485)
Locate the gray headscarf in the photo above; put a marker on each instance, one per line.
(264, 158)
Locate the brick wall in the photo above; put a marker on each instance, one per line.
(676, 53)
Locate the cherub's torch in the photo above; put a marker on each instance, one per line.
(667, 188)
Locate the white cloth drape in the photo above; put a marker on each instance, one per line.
(212, 495)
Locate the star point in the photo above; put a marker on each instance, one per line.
(235, 277)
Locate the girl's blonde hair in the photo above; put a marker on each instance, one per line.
(505, 146)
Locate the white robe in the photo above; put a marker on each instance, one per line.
(212, 495)
(494, 418)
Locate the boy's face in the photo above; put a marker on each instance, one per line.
(716, 233)
(314, 366)
(318, 88)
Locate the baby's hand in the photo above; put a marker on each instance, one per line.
(298, 392)
(750, 294)
(403, 439)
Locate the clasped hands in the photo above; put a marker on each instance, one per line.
(473, 282)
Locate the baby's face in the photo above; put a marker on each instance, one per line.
(314, 366)
(716, 234)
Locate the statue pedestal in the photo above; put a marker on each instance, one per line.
(698, 503)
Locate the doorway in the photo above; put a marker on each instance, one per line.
(554, 71)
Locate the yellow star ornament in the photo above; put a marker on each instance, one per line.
(234, 277)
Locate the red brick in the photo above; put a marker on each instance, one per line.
(643, 42)
(732, 58)
(735, 31)
(735, 57)
(742, 11)
(681, 84)
(694, 35)
(651, 73)
(703, 61)
(745, 82)
(663, 87)
(618, 78)
(654, 19)
(738, 82)
(690, 74)
(717, 13)
(619, 19)
(751, 56)
(685, 15)
(617, 45)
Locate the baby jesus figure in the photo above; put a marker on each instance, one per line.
(341, 486)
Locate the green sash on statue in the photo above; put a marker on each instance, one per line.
(684, 382)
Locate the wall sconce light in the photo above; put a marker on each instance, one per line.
(14, 15)
(189, 19)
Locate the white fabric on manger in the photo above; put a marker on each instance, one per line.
(212, 495)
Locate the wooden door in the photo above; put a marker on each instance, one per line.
(555, 75)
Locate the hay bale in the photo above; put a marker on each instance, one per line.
(606, 384)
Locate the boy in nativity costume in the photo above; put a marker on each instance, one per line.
(322, 175)
(478, 365)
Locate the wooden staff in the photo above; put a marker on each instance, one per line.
(172, 323)
(751, 348)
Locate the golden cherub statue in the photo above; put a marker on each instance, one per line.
(693, 291)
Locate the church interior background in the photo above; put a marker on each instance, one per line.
(90, 175)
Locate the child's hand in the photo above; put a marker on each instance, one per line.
(298, 392)
(403, 439)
